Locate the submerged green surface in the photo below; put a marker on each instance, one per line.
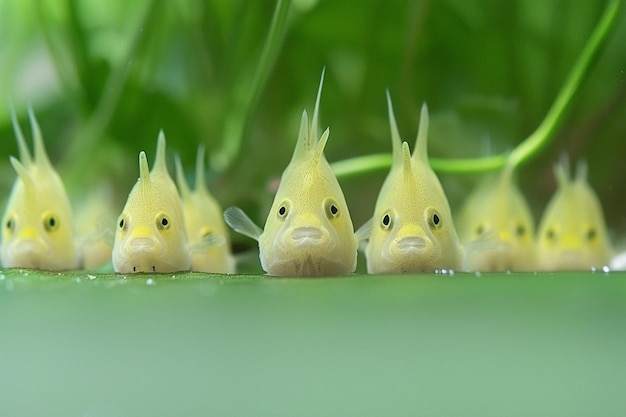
(195, 344)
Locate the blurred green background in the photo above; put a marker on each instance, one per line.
(105, 76)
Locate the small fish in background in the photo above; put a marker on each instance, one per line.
(308, 231)
(412, 228)
(38, 230)
(204, 223)
(496, 227)
(94, 215)
(572, 234)
(151, 235)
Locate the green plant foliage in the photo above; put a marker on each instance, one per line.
(104, 77)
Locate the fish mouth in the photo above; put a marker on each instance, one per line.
(142, 245)
(307, 234)
(411, 244)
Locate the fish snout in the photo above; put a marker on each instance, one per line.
(28, 234)
(142, 240)
(411, 244)
(307, 234)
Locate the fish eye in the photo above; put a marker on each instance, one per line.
(433, 218)
(163, 222)
(331, 208)
(550, 234)
(50, 223)
(10, 224)
(386, 221)
(520, 230)
(123, 223)
(479, 230)
(283, 209)
(591, 234)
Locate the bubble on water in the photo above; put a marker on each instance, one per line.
(78, 280)
(477, 274)
(593, 269)
(91, 277)
(508, 272)
(606, 269)
(1, 277)
(150, 281)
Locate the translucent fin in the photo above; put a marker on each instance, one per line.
(144, 170)
(581, 172)
(407, 170)
(319, 151)
(25, 156)
(160, 161)
(241, 223)
(365, 230)
(200, 185)
(39, 149)
(183, 187)
(396, 142)
(304, 143)
(316, 110)
(561, 172)
(420, 153)
(22, 172)
(206, 243)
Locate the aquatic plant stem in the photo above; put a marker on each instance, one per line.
(534, 143)
(246, 95)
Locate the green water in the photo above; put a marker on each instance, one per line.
(197, 345)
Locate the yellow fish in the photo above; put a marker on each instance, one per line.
(412, 228)
(151, 235)
(308, 231)
(38, 224)
(497, 227)
(204, 220)
(572, 234)
(94, 214)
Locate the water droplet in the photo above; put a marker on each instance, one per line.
(150, 281)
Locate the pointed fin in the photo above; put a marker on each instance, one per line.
(160, 161)
(241, 223)
(304, 143)
(365, 230)
(396, 142)
(144, 170)
(407, 169)
(561, 172)
(183, 187)
(200, 179)
(39, 150)
(23, 173)
(420, 153)
(581, 171)
(25, 156)
(319, 151)
(316, 110)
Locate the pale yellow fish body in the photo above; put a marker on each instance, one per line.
(204, 221)
(572, 234)
(412, 229)
(38, 230)
(308, 231)
(151, 235)
(94, 215)
(497, 228)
